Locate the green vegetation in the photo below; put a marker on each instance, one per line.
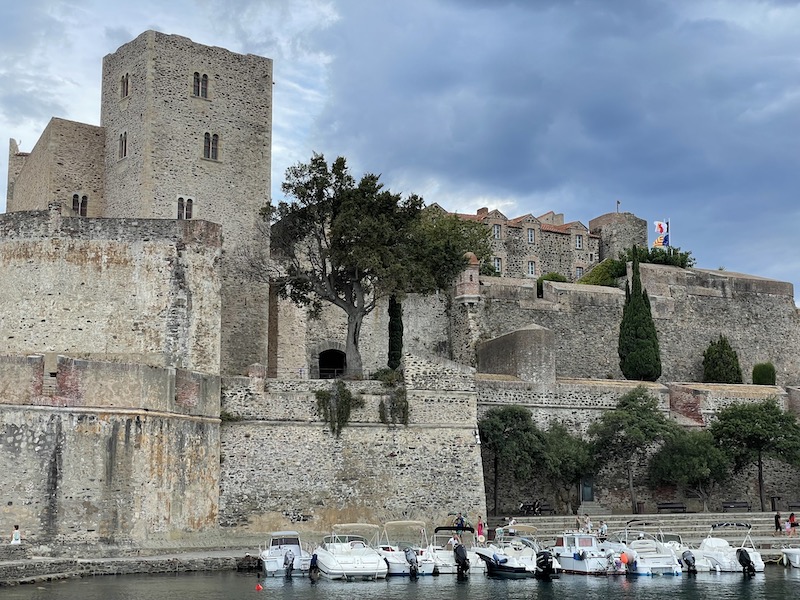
(625, 435)
(547, 277)
(566, 459)
(607, 273)
(395, 332)
(639, 356)
(721, 363)
(692, 461)
(353, 244)
(335, 405)
(764, 374)
(660, 256)
(511, 439)
(396, 409)
(748, 433)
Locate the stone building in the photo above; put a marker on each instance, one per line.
(185, 133)
(528, 246)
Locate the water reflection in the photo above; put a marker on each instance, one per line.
(777, 583)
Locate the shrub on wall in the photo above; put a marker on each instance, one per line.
(548, 277)
(605, 273)
(721, 363)
(764, 374)
(335, 405)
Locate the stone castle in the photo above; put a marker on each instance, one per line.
(149, 392)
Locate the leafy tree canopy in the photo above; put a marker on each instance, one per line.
(626, 434)
(352, 244)
(566, 459)
(749, 432)
(510, 434)
(660, 256)
(690, 460)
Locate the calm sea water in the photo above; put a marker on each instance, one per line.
(777, 583)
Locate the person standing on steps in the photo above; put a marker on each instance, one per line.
(16, 536)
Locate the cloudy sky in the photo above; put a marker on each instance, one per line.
(681, 110)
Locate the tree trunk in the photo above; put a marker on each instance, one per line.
(761, 480)
(354, 367)
(494, 487)
(633, 491)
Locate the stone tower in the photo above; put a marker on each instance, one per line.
(618, 232)
(188, 136)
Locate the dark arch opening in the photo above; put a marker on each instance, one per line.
(332, 363)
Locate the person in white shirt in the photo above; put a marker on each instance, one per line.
(16, 536)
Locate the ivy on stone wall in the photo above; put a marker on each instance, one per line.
(335, 405)
(396, 409)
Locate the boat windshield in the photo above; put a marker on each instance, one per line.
(344, 538)
(285, 541)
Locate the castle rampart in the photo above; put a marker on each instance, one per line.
(125, 290)
(280, 458)
(114, 457)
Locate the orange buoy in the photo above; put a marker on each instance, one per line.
(258, 587)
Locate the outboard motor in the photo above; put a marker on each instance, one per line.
(544, 566)
(462, 562)
(688, 559)
(411, 559)
(748, 568)
(313, 569)
(288, 562)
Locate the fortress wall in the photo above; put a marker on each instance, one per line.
(280, 459)
(93, 384)
(576, 403)
(698, 402)
(144, 291)
(300, 338)
(20, 378)
(78, 480)
(690, 309)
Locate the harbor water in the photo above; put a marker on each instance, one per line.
(777, 583)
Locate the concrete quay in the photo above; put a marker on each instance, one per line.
(692, 527)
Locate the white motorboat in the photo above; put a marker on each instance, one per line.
(284, 555)
(692, 559)
(791, 556)
(580, 553)
(726, 558)
(348, 553)
(525, 548)
(641, 551)
(405, 547)
(443, 553)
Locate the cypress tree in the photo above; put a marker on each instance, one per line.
(639, 356)
(721, 363)
(395, 332)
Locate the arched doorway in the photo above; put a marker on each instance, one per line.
(332, 363)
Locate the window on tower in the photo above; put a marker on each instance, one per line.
(211, 146)
(200, 85)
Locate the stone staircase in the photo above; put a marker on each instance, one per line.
(692, 527)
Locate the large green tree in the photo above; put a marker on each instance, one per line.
(749, 432)
(639, 355)
(626, 434)
(692, 461)
(566, 459)
(352, 243)
(511, 440)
